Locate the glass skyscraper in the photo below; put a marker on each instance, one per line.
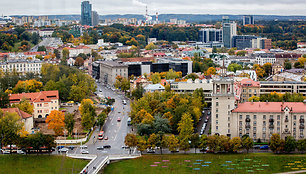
(86, 13)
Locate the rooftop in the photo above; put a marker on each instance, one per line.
(22, 114)
(295, 107)
(43, 96)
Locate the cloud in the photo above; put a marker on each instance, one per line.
(136, 2)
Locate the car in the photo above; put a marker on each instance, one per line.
(106, 138)
(174, 151)
(84, 152)
(256, 146)
(208, 113)
(71, 147)
(264, 147)
(118, 119)
(150, 151)
(100, 148)
(6, 152)
(59, 147)
(119, 112)
(20, 152)
(125, 147)
(107, 146)
(124, 102)
(83, 147)
(205, 121)
(63, 149)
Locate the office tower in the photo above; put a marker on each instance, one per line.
(229, 29)
(86, 13)
(244, 41)
(95, 18)
(248, 20)
(210, 35)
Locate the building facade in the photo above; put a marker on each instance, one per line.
(260, 120)
(21, 66)
(95, 18)
(249, 88)
(266, 87)
(229, 29)
(43, 102)
(207, 35)
(248, 19)
(86, 13)
(243, 41)
(109, 70)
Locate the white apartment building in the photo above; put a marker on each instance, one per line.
(261, 59)
(21, 66)
(109, 70)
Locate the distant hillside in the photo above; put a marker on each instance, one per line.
(192, 18)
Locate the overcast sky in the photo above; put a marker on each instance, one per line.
(53, 7)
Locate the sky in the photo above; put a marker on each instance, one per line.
(103, 7)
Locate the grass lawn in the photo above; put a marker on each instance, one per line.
(209, 163)
(30, 164)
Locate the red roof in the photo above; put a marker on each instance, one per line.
(22, 114)
(139, 59)
(43, 96)
(295, 107)
(249, 82)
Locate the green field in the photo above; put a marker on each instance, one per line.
(209, 163)
(32, 164)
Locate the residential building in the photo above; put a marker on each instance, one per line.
(154, 87)
(263, 58)
(109, 70)
(249, 88)
(260, 120)
(223, 101)
(229, 29)
(21, 66)
(266, 87)
(207, 35)
(86, 13)
(43, 102)
(248, 19)
(26, 118)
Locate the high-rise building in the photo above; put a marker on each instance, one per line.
(95, 18)
(207, 35)
(86, 13)
(244, 41)
(229, 30)
(248, 19)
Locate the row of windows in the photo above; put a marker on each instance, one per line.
(19, 65)
(271, 117)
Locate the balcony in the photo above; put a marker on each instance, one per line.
(271, 126)
(247, 120)
(247, 126)
(286, 120)
(302, 120)
(302, 126)
(271, 120)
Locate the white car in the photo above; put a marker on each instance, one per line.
(20, 152)
(63, 149)
(83, 147)
(6, 152)
(84, 152)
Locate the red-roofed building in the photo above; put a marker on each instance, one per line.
(44, 102)
(260, 120)
(249, 88)
(26, 118)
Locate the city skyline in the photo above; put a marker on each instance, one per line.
(104, 7)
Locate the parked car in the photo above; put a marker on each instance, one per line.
(208, 113)
(256, 146)
(150, 151)
(20, 152)
(125, 147)
(63, 149)
(71, 147)
(264, 147)
(6, 152)
(84, 151)
(174, 151)
(107, 146)
(59, 147)
(83, 147)
(100, 148)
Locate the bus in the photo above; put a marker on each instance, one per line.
(101, 135)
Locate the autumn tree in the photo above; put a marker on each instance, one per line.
(151, 46)
(172, 143)
(69, 122)
(211, 71)
(28, 86)
(152, 140)
(235, 144)
(254, 99)
(88, 113)
(79, 61)
(247, 143)
(185, 127)
(56, 121)
(155, 77)
(276, 144)
(141, 144)
(203, 142)
(130, 140)
(25, 106)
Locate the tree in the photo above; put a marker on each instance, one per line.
(195, 141)
(152, 140)
(213, 143)
(35, 38)
(101, 119)
(4, 100)
(131, 140)
(57, 53)
(288, 65)
(211, 71)
(150, 46)
(56, 122)
(254, 99)
(69, 122)
(50, 86)
(79, 61)
(9, 127)
(25, 106)
(235, 144)
(290, 144)
(184, 144)
(241, 53)
(276, 144)
(155, 78)
(234, 67)
(28, 86)
(301, 145)
(203, 142)
(172, 143)
(41, 48)
(161, 125)
(88, 113)
(267, 68)
(247, 143)
(185, 127)
(141, 144)
(65, 53)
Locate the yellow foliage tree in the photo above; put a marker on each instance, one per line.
(84, 103)
(211, 71)
(56, 122)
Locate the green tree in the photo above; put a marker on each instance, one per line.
(290, 144)
(41, 48)
(50, 86)
(234, 67)
(276, 143)
(203, 142)
(101, 119)
(301, 145)
(288, 65)
(241, 53)
(4, 100)
(195, 141)
(25, 106)
(69, 123)
(155, 78)
(235, 144)
(150, 46)
(161, 125)
(88, 113)
(185, 126)
(184, 144)
(247, 143)
(141, 144)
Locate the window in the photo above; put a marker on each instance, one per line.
(278, 123)
(264, 129)
(294, 117)
(217, 121)
(217, 109)
(254, 129)
(228, 106)
(217, 103)
(250, 90)
(254, 117)
(228, 118)
(254, 123)
(217, 115)
(216, 127)
(264, 123)
(264, 117)
(254, 135)
(278, 117)
(294, 123)
(264, 135)
(271, 116)
(240, 117)
(228, 130)
(228, 125)
(240, 129)
(278, 129)
(240, 123)
(247, 116)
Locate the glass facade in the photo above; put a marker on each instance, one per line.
(86, 13)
